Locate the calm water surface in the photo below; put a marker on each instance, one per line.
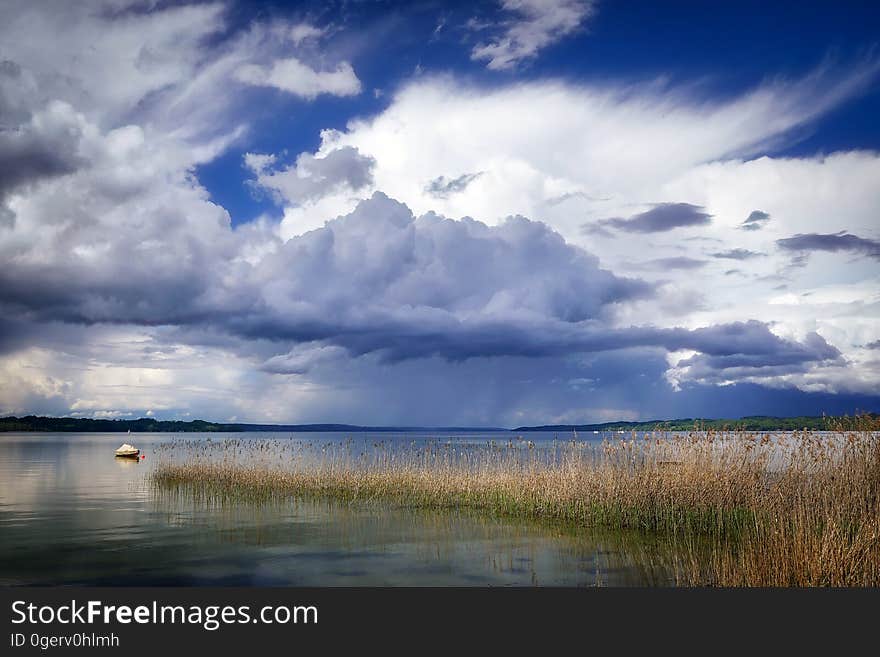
(70, 513)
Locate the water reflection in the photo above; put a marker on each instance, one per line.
(328, 543)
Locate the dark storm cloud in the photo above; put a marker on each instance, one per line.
(831, 242)
(741, 399)
(737, 254)
(515, 391)
(26, 157)
(755, 338)
(459, 340)
(43, 147)
(662, 217)
(178, 268)
(755, 220)
(443, 187)
(111, 293)
(776, 351)
(779, 357)
(38, 141)
(873, 345)
(375, 275)
(378, 281)
(381, 280)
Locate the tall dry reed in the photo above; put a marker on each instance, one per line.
(800, 509)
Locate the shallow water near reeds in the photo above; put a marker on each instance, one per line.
(70, 513)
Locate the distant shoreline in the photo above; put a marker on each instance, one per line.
(32, 423)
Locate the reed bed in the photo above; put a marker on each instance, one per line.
(737, 508)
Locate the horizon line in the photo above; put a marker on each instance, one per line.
(416, 427)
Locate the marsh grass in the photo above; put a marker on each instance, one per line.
(730, 508)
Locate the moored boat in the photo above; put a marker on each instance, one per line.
(128, 451)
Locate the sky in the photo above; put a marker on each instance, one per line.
(497, 213)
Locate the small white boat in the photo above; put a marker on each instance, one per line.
(128, 451)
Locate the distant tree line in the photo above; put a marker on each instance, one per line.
(74, 424)
(749, 423)
(141, 425)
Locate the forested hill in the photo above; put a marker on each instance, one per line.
(750, 423)
(71, 424)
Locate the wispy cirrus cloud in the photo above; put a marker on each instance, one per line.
(293, 73)
(576, 147)
(533, 26)
(675, 262)
(443, 187)
(737, 254)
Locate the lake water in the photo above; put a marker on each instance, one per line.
(71, 513)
